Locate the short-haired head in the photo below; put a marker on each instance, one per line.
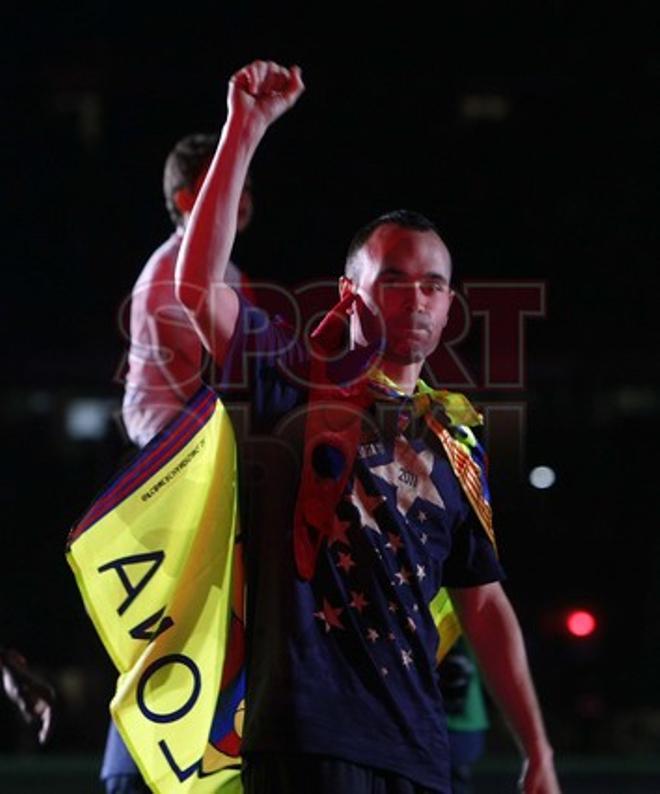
(405, 219)
(185, 164)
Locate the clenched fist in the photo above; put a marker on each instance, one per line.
(262, 91)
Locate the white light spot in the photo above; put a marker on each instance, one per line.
(542, 477)
(88, 418)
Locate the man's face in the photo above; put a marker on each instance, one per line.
(404, 277)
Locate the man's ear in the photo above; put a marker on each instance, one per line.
(184, 200)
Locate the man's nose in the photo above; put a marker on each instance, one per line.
(415, 295)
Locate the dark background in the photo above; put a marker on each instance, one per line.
(529, 134)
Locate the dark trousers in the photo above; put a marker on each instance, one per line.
(266, 773)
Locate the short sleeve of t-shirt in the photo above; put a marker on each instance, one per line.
(256, 340)
(473, 560)
(262, 362)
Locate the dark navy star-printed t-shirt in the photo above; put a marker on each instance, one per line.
(344, 665)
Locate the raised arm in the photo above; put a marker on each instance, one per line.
(493, 631)
(257, 95)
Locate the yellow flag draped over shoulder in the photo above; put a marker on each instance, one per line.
(157, 558)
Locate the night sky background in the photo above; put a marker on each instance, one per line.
(528, 133)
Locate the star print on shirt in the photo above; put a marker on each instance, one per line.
(406, 658)
(366, 505)
(410, 474)
(403, 576)
(394, 542)
(421, 572)
(372, 635)
(338, 532)
(345, 562)
(358, 602)
(330, 616)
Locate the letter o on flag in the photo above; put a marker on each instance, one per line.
(173, 658)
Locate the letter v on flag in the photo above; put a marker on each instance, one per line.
(158, 562)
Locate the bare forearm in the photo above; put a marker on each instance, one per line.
(492, 628)
(211, 230)
(500, 650)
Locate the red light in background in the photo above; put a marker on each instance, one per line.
(580, 623)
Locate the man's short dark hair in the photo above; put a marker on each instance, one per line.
(406, 219)
(184, 164)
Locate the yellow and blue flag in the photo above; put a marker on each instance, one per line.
(158, 561)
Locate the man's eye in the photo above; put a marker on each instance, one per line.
(432, 286)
